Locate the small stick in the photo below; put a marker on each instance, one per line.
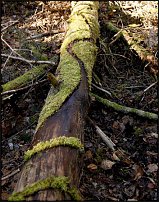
(131, 87)
(102, 89)
(21, 89)
(11, 174)
(104, 137)
(14, 50)
(153, 84)
(116, 55)
(13, 23)
(13, 136)
(28, 61)
(45, 34)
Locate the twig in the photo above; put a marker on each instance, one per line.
(143, 93)
(104, 137)
(21, 89)
(13, 23)
(7, 60)
(131, 87)
(153, 84)
(6, 98)
(116, 55)
(102, 89)
(18, 132)
(125, 109)
(11, 174)
(29, 61)
(14, 51)
(116, 37)
(45, 34)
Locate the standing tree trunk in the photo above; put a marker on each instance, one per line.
(53, 164)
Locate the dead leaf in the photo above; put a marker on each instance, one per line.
(139, 171)
(89, 154)
(107, 164)
(115, 158)
(151, 185)
(4, 195)
(121, 154)
(130, 190)
(151, 153)
(152, 168)
(92, 167)
(116, 125)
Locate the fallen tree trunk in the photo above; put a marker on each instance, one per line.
(53, 164)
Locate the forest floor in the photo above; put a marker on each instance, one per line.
(130, 176)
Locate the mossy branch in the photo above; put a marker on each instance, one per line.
(26, 78)
(142, 52)
(60, 182)
(125, 109)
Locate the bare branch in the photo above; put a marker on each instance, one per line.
(29, 61)
(104, 137)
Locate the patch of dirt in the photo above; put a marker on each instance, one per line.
(129, 172)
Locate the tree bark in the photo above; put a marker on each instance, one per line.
(53, 164)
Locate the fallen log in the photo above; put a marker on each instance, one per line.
(53, 164)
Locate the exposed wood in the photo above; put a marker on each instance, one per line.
(63, 114)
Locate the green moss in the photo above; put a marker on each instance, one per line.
(74, 193)
(60, 182)
(70, 77)
(86, 51)
(137, 131)
(59, 141)
(25, 78)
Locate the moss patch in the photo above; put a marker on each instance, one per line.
(59, 141)
(70, 77)
(86, 51)
(60, 182)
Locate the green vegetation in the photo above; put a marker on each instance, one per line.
(59, 141)
(60, 182)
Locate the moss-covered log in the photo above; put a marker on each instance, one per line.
(56, 151)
